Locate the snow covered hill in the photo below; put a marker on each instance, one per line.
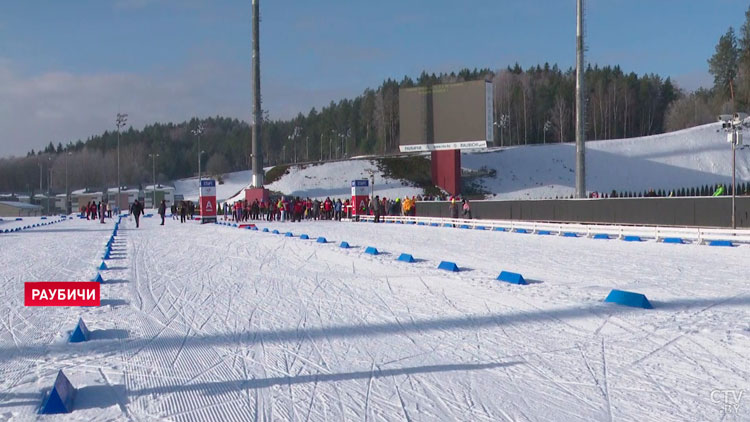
(683, 159)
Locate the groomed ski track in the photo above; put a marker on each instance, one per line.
(217, 323)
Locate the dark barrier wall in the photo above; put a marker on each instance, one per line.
(705, 212)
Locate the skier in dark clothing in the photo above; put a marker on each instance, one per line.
(163, 210)
(183, 211)
(136, 209)
(376, 209)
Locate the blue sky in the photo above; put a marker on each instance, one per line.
(67, 67)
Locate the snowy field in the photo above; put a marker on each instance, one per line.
(688, 158)
(217, 323)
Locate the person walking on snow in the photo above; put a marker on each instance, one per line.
(162, 211)
(136, 209)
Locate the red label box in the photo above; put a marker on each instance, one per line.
(61, 293)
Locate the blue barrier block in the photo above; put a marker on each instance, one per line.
(632, 239)
(254, 228)
(389, 222)
(720, 243)
(410, 222)
(601, 236)
(322, 239)
(635, 300)
(81, 333)
(288, 234)
(372, 251)
(421, 223)
(275, 232)
(673, 240)
(98, 278)
(265, 229)
(106, 255)
(399, 222)
(513, 278)
(344, 245)
(570, 234)
(304, 236)
(61, 398)
(464, 226)
(234, 225)
(521, 231)
(499, 229)
(447, 225)
(448, 266)
(544, 232)
(103, 266)
(148, 216)
(44, 218)
(480, 228)
(19, 219)
(405, 257)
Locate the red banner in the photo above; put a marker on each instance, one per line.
(61, 293)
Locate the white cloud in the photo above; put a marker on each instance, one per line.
(62, 106)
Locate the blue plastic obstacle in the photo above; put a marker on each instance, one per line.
(521, 231)
(601, 236)
(510, 277)
(448, 266)
(265, 229)
(372, 251)
(499, 229)
(107, 255)
(98, 278)
(570, 234)
(44, 218)
(405, 257)
(410, 222)
(322, 239)
(632, 239)
(721, 243)
(103, 266)
(544, 232)
(304, 236)
(81, 333)
(275, 232)
(288, 234)
(447, 225)
(434, 224)
(61, 398)
(421, 223)
(673, 240)
(465, 226)
(344, 245)
(480, 228)
(19, 219)
(635, 300)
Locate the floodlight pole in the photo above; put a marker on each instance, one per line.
(198, 131)
(580, 110)
(153, 173)
(67, 200)
(120, 121)
(734, 186)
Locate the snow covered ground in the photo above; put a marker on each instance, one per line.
(216, 323)
(688, 158)
(233, 183)
(334, 180)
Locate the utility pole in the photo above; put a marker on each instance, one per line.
(198, 132)
(153, 173)
(120, 121)
(580, 107)
(307, 148)
(257, 158)
(67, 192)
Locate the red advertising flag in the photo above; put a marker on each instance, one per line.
(61, 293)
